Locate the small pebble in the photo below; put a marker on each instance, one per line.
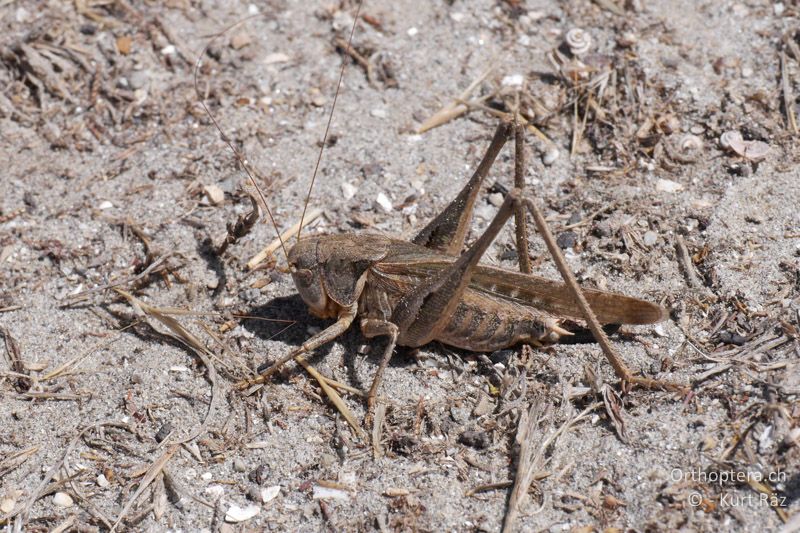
(348, 190)
(169, 50)
(240, 40)
(7, 505)
(214, 194)
(550, 156)
(259, 475)
(102, 481)
(253, 493)
(62, 499)
(412, 32)
(566, 239)
(239, 465)
(105, 205)
(384, 203)
(215, 491)
(650, 238)
(475, 439)
(496, 199)
(206, 476)
(378, 112)
(163, 432)
(668, 186)
(138, 79)
(513, 80)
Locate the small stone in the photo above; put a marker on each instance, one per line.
(550, 156)
(102, 481)
(163, 432)
(566, 239)
(215, 491)
(239, 465)
(253, 493)
(793, 437)
(62, 499)
(378, 112)
(259, 475)
(22, 15)
(664, 185)
(105, 205)
(206, 476)
(169, 50)
(650, 238)
(327, 460)
(412, 32)
(240, 40)
(138, 79)
(496, 199)
(574, 218)
(236, 514)
(124, 44)
(275, 57)
(348, 190)
(384, 203)
(778, 9)
(7, 505)
(513, 80)
(475, 439)
(214, 194)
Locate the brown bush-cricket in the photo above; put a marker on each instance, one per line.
(433, 289)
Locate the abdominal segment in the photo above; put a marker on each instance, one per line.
(484, 325)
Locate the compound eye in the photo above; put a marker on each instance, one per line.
(304, 276)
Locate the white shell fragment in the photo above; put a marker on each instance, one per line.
(327, 493)
(668, 186)
(62, 499)
(752, 150)
(732, 140)
(384, 203)
(236, 514)
(270, 493)
(578, 41)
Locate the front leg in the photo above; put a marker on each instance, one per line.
(345, 319)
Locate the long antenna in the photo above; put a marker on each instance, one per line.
(225, 138)
(330, 118)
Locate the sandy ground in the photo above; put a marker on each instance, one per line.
(107, 159)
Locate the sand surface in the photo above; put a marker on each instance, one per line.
(113, 175)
